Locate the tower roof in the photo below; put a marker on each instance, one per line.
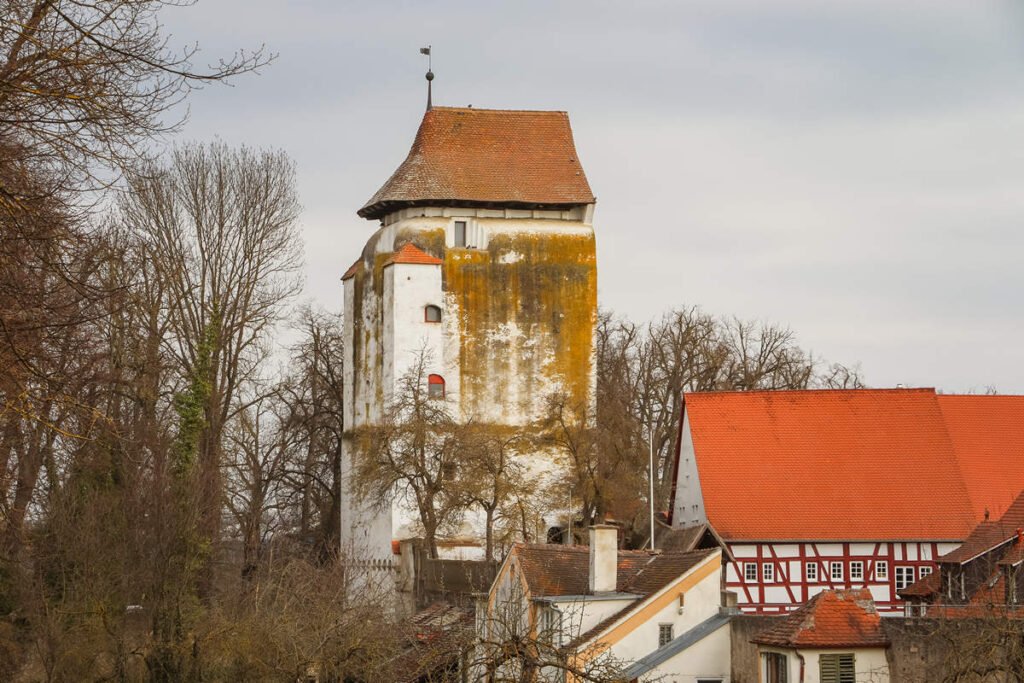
(487, 157)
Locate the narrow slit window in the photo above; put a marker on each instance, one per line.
(435, 386)
(432, 314)
(460, 233)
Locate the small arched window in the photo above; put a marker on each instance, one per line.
(435, 386)
(432, 314)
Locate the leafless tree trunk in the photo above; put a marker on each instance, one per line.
(220, 224)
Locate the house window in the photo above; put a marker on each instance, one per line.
(768, 572)
(904, 577)
(435, 386)
(664, 634)
(432, 314)
(750, 572)
(460, 233)
(773, 665)
(836, 668)
(836, 571)
(857, 571)
(811, 571)
(881, 570)
(923, 571)
(551, 626)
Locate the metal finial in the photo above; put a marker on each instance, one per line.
(430, 76)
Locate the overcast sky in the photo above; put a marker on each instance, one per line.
(854, 170)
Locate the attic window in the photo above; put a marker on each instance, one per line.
(432, 314)
(664, 634)
(435, 386)
(460, 234)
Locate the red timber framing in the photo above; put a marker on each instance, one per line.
(788, 587)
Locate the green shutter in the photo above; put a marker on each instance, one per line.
(837, 668)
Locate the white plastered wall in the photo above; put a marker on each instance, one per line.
(689, 502)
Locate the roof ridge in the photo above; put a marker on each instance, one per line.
(504, 111)
(865, 390)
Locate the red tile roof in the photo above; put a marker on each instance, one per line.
(988, 439)
(828, 465)
(410, 253)
(926, 587)
(990, 534)
(556, 570)
(829, 619)
(487, 156)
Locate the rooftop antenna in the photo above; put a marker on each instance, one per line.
(430, 75)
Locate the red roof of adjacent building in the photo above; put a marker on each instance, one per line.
(988, 438)
(410, 253)
(554, 570)
(828, 465)
(829, 619)
(471, 156)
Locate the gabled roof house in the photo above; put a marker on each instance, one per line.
(842, 489)
(641, 614)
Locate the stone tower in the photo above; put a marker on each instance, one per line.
(484, 256)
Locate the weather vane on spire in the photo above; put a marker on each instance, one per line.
(430, 74)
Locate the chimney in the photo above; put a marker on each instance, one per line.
(604, 558)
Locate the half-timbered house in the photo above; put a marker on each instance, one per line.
(842, 489)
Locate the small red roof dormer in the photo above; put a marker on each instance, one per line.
(410, 253)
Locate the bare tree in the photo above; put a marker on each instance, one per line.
(85, 83)
(413, 452)
(313, 392)
(220, 225)
(492, 477)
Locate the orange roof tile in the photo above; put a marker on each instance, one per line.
(827, 465)
(829, 619)
(988, 438)
(487, 157)
(410, 253)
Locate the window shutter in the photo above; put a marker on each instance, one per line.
(846, 669)
(837, 668)
(828, 666)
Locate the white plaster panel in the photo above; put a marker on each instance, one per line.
(912, 552)
(926, 552)
(880, 592)
(829, 549)
(862, 548)
(776, 594)
(786, 550)
(743, 550)
(897, 551)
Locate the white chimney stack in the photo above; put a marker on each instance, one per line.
(604, 558)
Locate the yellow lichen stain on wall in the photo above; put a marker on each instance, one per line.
(528, 321)
(431, 241)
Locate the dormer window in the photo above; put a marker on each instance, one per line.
(432, 314)
(460, 234)
(435, 386)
